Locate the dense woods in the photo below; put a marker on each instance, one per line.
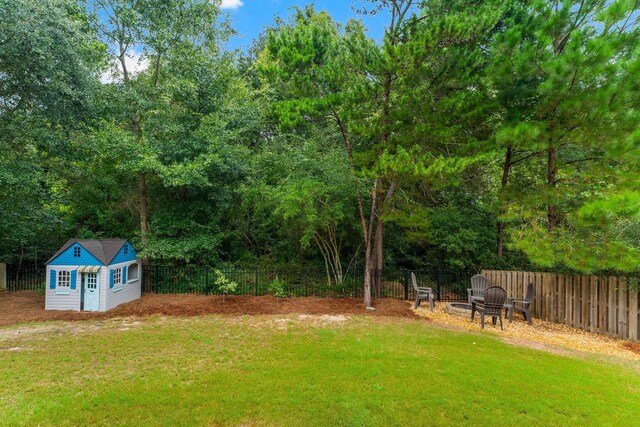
(493, 134)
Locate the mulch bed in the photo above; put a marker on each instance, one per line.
(26, 306)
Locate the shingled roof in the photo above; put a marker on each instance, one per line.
(104, 250)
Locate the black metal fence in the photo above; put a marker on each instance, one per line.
(299, 283)
(447, 285)
(25, 278)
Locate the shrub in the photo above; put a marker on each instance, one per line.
(225, 286)
(277, 288)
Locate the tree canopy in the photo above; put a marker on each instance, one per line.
(500, 134)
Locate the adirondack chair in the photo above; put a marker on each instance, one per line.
(422, 293)
(523, 305)
(492, 305)
(478, 285)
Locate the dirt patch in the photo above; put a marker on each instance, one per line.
(26, 306)
(632, 346)
(537, 345)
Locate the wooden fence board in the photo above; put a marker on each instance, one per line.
(613, 301)
(544, 281)
(593, 304)
(633, 309)
(584, 303)
(538, 281)
(569, 299)
(562, 302)
(577, 297)
(622, 308)
(602, 304)
(554, 298)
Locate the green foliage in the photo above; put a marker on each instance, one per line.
(518, 113)
(278, 288)
(566, 77)
(48, 63)
(224, 285)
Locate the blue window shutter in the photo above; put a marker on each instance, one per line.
(52, 279)
(110, 279)
(124, 274)
(73, 279)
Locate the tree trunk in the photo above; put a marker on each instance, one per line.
(378, 254)
(367, 279)
(144, 226)
(506, 169)
(369, 254)
(552, 169)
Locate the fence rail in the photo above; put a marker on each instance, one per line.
(604, 305)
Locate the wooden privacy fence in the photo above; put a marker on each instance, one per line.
(604, 305)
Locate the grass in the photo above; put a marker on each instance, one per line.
(271, 371)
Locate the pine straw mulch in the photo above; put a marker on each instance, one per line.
(554, 337)
(26, 306)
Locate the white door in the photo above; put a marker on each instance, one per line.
(91, 292)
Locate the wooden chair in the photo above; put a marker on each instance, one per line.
(523, 305)
(478, 285)
(492, 305)
(422, 293)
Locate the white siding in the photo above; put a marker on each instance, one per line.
(130, 291)
(54, 301)
(104, 287)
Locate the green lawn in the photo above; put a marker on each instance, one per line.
(261, 371)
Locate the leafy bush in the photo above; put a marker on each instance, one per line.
(225, 286)
(277, 288)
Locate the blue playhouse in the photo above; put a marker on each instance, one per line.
(93, 275)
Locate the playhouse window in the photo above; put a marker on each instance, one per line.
(76, 251)
(117, 276)
(64, 279)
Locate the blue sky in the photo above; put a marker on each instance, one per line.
(249, 17)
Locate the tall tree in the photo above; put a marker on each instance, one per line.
(307, 64)
(49, 62)
(575, 61)
(181, 111)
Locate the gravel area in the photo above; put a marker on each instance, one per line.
(556, 337)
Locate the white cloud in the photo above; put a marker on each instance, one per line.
(135, 62)
(231, 4)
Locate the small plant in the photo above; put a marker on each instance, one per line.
(224, 285)
(277, 288)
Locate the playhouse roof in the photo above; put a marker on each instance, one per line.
(104, 250)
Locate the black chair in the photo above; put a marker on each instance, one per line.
(523, 305)
(422, 293)
(491, 305)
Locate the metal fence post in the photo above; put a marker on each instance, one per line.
(257, 288)
(3, 277)
(406, 285)
(155, 278)
(438, 283)
(206, 280)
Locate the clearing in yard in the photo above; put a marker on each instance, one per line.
(297, 369)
